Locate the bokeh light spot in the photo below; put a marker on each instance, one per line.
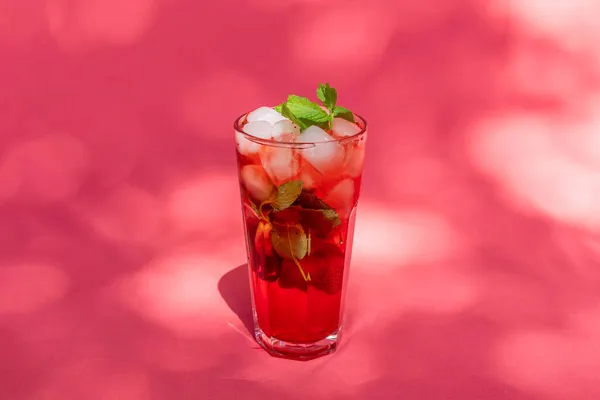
(582, 142)
(202, 106)
(81, 23)
(50, 168)
(128, 214)
(544, 75)
(28, 287)
(178, 292)
(400, 238)
(572, 22)
(205, 204)
(534, 170)
(551, 363)
(352, 36)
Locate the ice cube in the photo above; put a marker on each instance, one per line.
(327, 155)
(314, 134)
(286, 138)
(265, 114)
(341, 197)
(285, 126)
(259, 129)
(310, 176)
(257, 182)
(355, 156)
(246, 146)
(281, 163)
(342, 127)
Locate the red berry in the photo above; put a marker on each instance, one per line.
(289, 216)
(264, 261)
(262, 238)
(317, 223)
(327, 272)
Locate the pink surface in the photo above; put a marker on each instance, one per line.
(122, 265)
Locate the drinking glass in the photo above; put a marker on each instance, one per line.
(299, 204)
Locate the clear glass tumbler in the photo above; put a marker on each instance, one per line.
(299, 207)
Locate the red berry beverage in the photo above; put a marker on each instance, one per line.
(300, 167)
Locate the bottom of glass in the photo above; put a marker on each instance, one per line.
(298, 351)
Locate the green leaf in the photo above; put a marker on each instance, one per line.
(332, 216)
(286, 112)
(279, 108)
(327, 95)
(321, 92)
(307, 112)
(341, 112)
(287, 194)
(290, 242)
(325, 125)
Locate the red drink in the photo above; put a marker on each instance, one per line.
(299, 202)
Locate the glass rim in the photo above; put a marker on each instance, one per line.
(270, 142)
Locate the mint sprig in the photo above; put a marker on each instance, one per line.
(304, 113)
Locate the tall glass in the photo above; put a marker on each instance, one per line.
(299, 206)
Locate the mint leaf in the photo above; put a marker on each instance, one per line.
(328, 96)
(307, 112)
(341, 112)
(286, 112)
(321, 92)
(325, 125)
(290, 242)
(287, 194)
(332, 216)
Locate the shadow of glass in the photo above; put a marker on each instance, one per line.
(234, 288)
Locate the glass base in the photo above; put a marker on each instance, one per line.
(297, 351)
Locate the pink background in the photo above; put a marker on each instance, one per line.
(122, 262)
